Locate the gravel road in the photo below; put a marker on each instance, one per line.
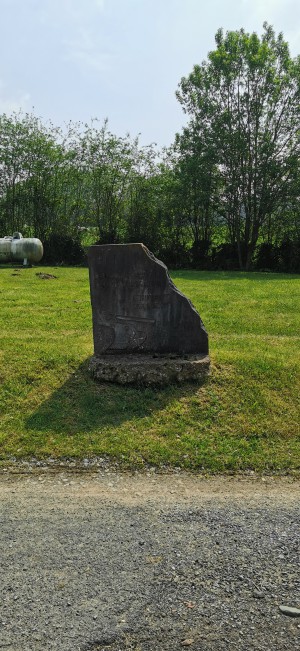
(108, 561)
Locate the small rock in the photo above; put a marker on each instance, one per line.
(258, 594)
(290, 611)
(187, 642)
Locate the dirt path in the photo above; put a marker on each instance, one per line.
(108, 561)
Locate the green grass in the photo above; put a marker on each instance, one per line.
(245, 416)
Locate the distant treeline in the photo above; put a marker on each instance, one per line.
(224, 196)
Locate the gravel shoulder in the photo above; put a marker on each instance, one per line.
(112, 561)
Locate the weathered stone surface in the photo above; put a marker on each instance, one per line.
(137, 308)
(148, 370)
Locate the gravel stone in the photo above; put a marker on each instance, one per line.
(289, 610)
(74, 576)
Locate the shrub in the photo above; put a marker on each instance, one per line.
(63, 249)
(289, 256)
(225, 257)
(267, 257)
(200, 254)
(174, 256)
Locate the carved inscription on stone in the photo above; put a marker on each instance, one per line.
(137, 308)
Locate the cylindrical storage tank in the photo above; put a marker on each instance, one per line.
(18, 249)
(5, 246)
(28, 248)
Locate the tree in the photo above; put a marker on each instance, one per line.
(109, 162)
(30, 165)
(143, 202)
(198, 187)
(245, 100)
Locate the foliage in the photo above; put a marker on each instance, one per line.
(197, 190)
(30, 171)
(244, 110)
(63, 249)
(283, 257)
(225, 195)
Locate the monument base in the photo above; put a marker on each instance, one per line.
(148, 369)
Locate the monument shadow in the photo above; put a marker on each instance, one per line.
(199, 275)
(82, 405)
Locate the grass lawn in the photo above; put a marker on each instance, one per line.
(245, 416)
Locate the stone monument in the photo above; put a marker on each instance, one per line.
(145, 330)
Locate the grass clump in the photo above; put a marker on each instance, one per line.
(245, 416)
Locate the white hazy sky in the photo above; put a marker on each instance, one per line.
(121, 59)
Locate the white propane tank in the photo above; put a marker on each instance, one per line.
(18, 248)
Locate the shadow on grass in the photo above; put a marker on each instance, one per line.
(205, 276)
(81, 405)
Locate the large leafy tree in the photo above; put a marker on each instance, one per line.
(30, 169)
(198, 184)
(244, 103)
(109, 162)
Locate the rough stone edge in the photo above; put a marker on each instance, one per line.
(145, 370)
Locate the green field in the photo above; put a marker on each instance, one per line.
(245, 416)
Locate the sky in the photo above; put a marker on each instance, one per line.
(119, 59)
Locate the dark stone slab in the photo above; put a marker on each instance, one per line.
(137, 308)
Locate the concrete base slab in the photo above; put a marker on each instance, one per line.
(148, 369)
